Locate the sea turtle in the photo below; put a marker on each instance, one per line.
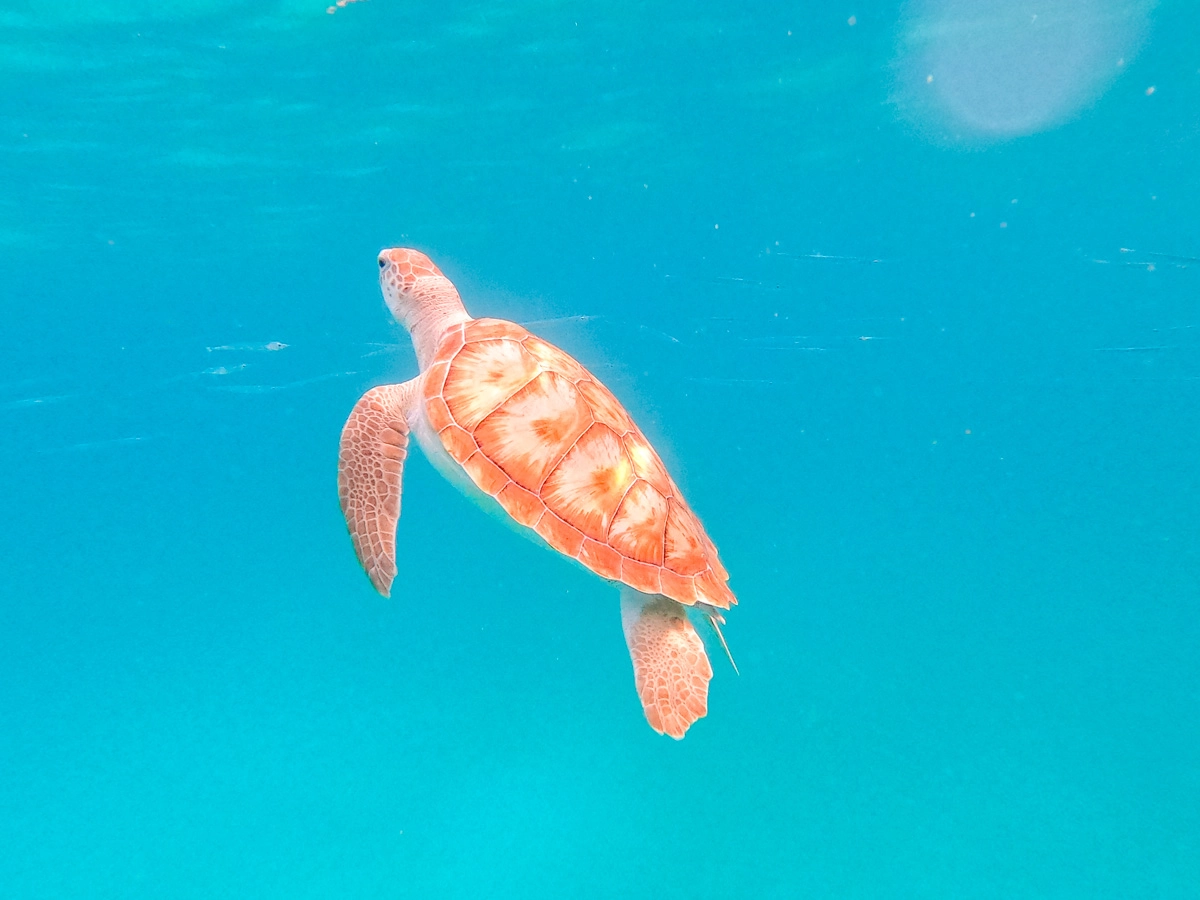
(535, 437)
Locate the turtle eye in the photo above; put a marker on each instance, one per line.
(382, 262)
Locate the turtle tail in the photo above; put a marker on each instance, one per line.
(717, 621)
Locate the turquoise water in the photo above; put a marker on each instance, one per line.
(910, 306)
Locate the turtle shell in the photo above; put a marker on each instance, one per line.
(540, 434)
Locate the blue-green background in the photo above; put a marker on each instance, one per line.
(966, 549)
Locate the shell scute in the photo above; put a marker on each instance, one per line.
(684, 550)
(458, 443)
(482, 375)
(485, 473)
(489, 329)
(606, 408)
(601, 559)
(558, 534)
(678, 587)
(438, 413)
(587, 486)
(449, 344)
(643, 577)
(637, 528)
(435, 379)
(720, 571)
(521, 504)
(554, 360)
(713, 590)
(528, 434)
(647, 465)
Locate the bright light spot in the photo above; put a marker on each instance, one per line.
(1004, 72)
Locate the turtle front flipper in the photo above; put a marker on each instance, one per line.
(670, 668)
(370, 467)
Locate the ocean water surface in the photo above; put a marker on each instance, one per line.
(907, 295)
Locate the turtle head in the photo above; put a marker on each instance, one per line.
(406, 277)
(421, 298)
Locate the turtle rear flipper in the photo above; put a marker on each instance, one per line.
(670, 667)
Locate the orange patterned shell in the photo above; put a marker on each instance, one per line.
(536, 431)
